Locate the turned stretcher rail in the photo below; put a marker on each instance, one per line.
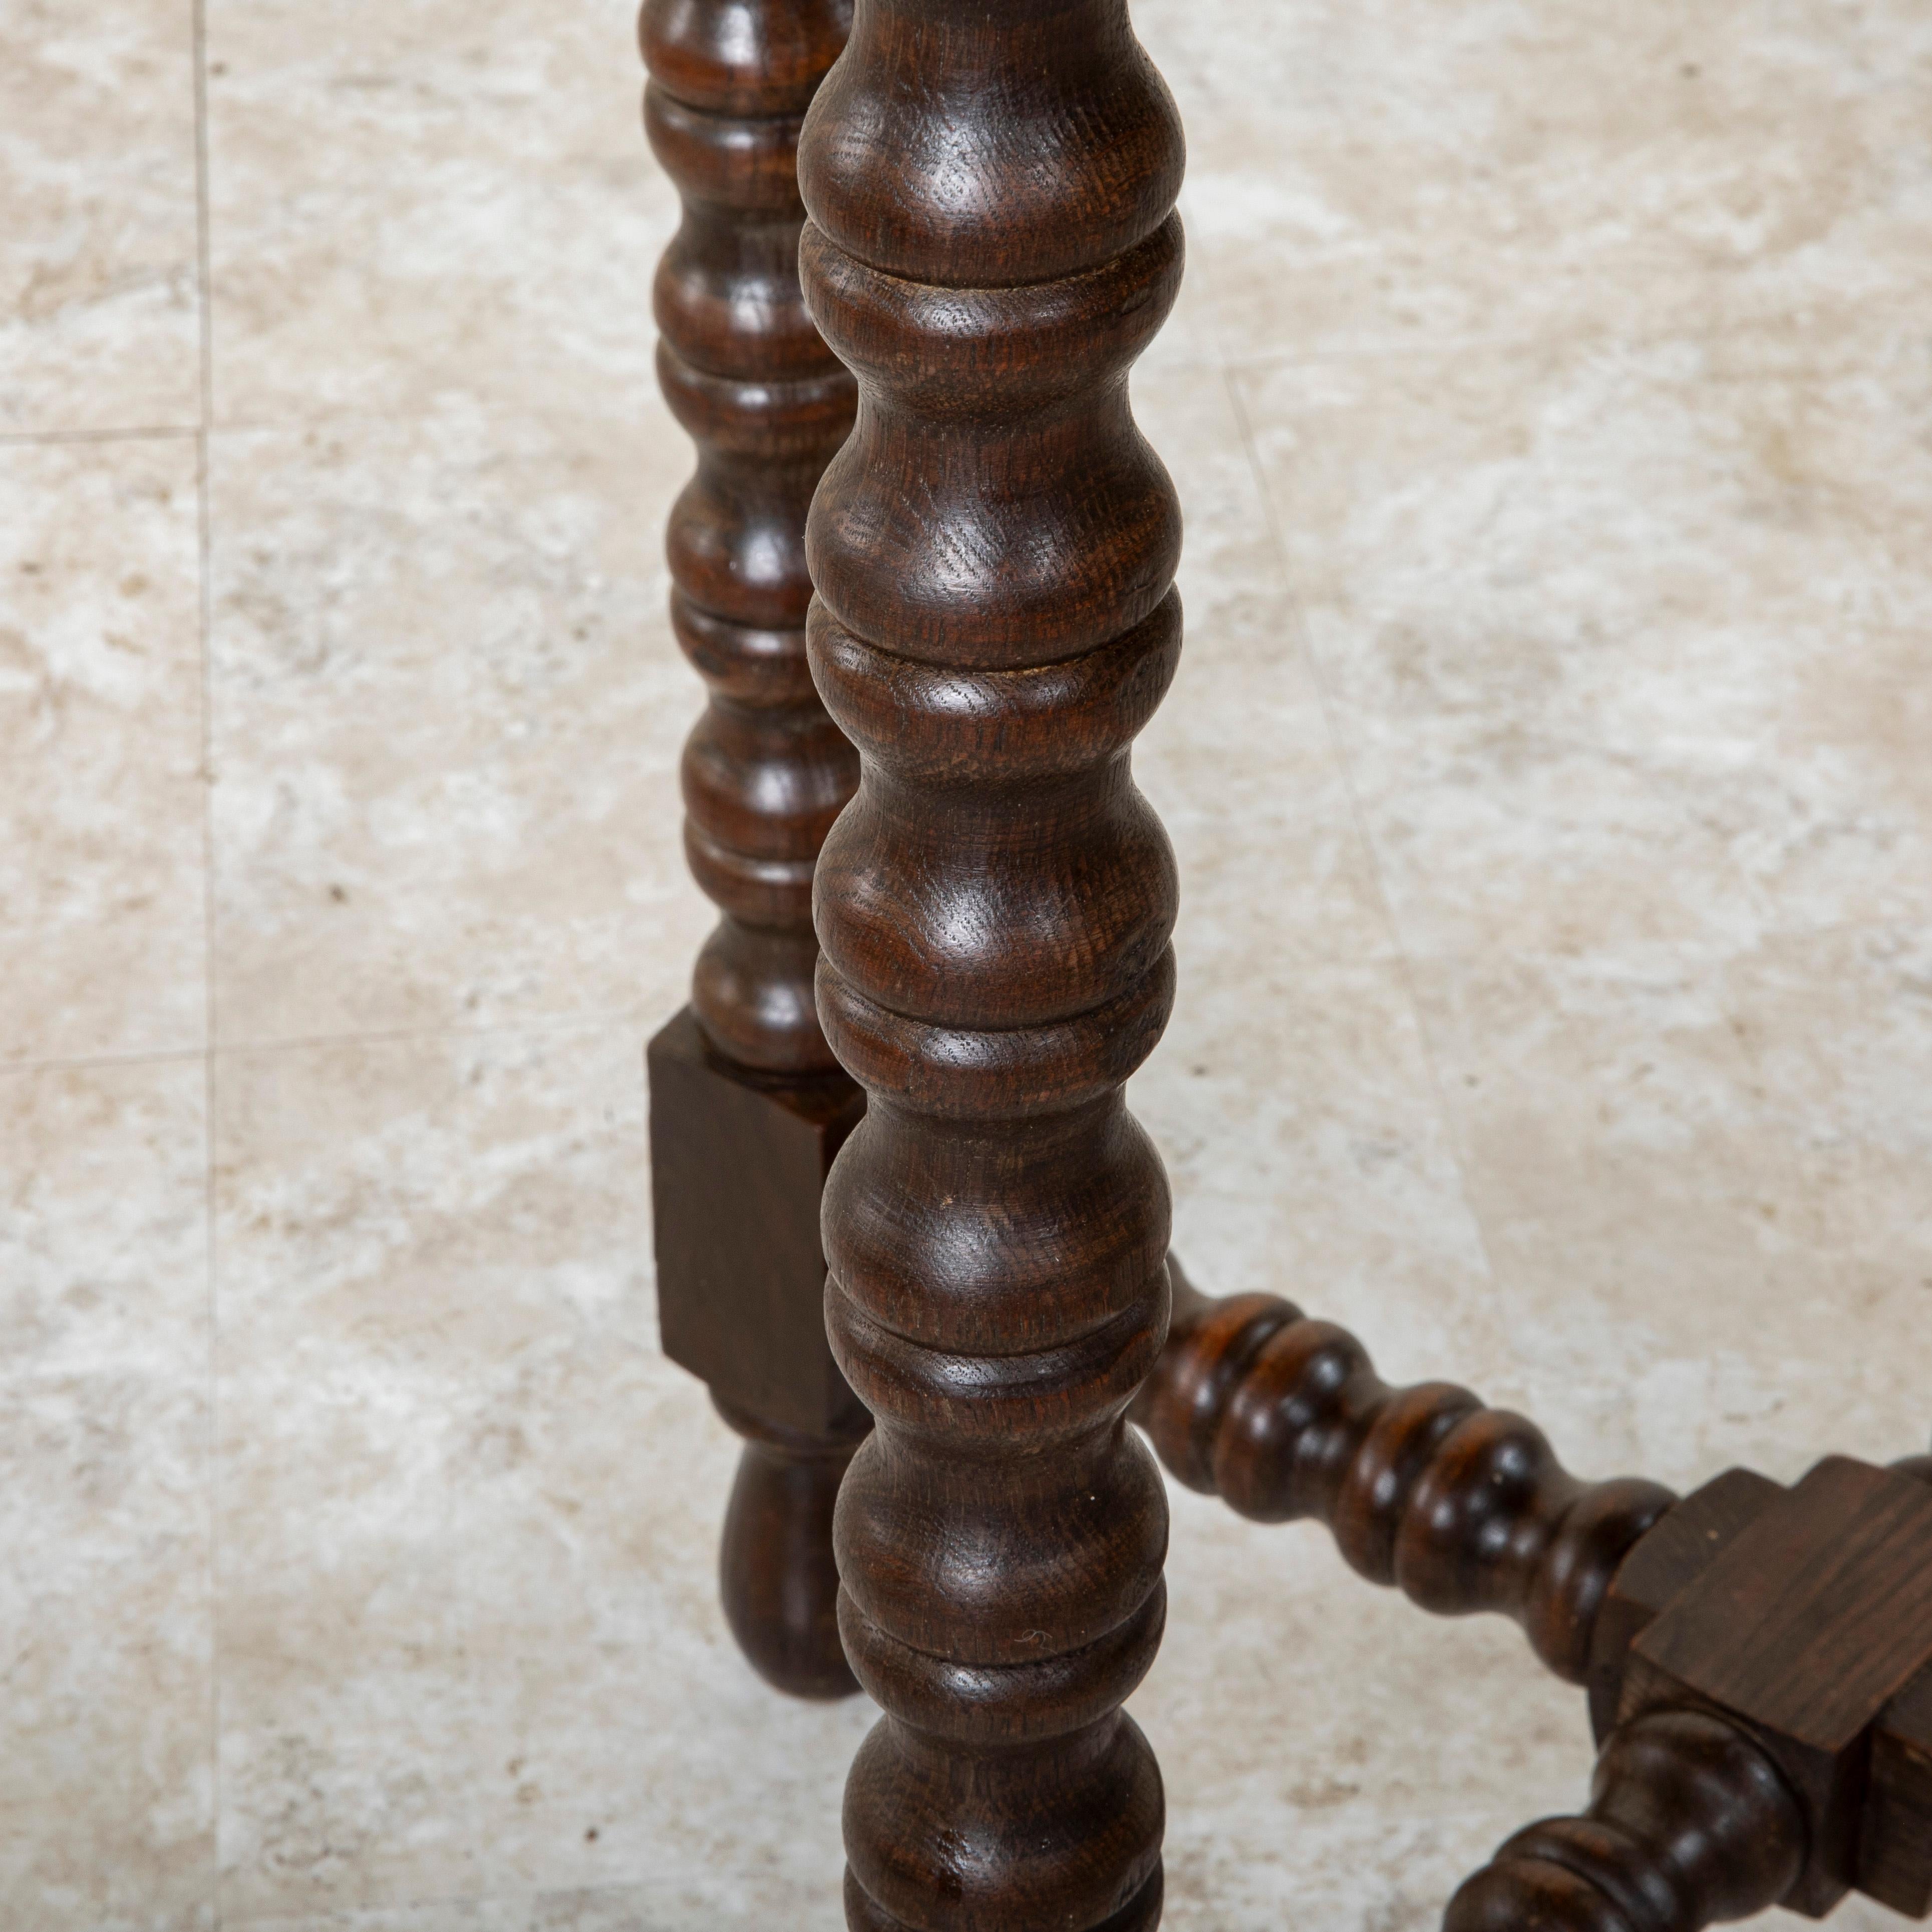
(1758, 1656)
(1461, 1506)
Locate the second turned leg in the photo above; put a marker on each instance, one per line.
(775, 1572)
(748, 1106)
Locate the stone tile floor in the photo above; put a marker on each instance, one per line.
(1550, 400)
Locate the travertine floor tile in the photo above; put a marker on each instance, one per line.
(1622, 657)
(429, 205)
(1310, 1157)
(1240, 762)
(1703, 1192)
(99, 322)
(447, 715)
(1544, 767)
(1629, 1186)
(1838, 1028)
(618, 1908)
(107, 1638)
(1299, 1122)
(1399, 174)
(1331, 1758)
(102, 917)
(468, 1510)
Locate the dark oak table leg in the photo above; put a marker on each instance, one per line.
(747, 1105)
(1689, 1825)
(992, 244)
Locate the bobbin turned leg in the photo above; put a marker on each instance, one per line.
(748, 1106)
(1690, 1824)
(990, 245)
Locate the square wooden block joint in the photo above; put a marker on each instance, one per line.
(1684, 1544)
(1812, 1626)
(738, 1161)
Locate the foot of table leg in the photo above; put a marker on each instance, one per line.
(775, 1572)
(738, 1161)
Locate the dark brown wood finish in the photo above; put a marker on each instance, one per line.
(736, 1169)
(747, 1105)
(1759, 1659)
(990, 246)
(1684, 1543)
(1805, 1627)
(1690, 1823)
(991, 183)
(1462, 1508)
(1895, 1846)
(1763, 1671)
(765, 772)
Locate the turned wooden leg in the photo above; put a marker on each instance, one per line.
(747, 1105)
(776, 1572)
(1690, 1824)
(990, 184)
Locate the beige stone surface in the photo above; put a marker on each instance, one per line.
(107, 1788)
(1548, 398)
(103, 862)
(422, 206)
(99, 310)
(446, 715)
(1402, 174)
(467, 1509)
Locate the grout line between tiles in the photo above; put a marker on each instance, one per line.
(32, 438)
(644, 1891)
(1605, 344)
(1311, 658)
(534, 1023)
(159, 1056)
(198, 40)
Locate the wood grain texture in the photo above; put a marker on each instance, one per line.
(737, 1168)
(1462, 1508)
(1670, 1556)
(776, 1577)
(765, 772)
(1690, 1824)
(1895, 1844)
(990, 245)
(1805, 1628)
(747, 1103)
(738, 1163)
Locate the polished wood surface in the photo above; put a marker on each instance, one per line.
(990, 245)
(1461, 1506)
(1690, 1823)
(1762, 1686)
(747, 1103)
(736, 1170)
(1758, 1659)
(1895, 1845)
(1804, 1627)
(777, 1581)
(1686, 1541)
(737, 1166)
(765, 772)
